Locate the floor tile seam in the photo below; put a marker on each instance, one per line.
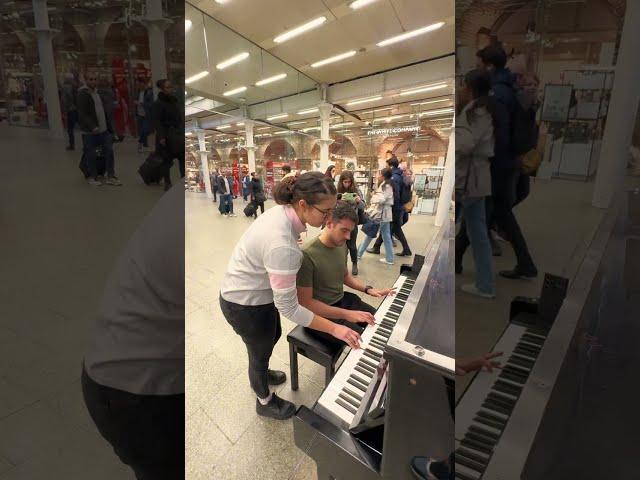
(220, 430)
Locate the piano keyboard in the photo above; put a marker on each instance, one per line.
(344, 394)
(485, 408)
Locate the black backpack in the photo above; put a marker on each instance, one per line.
(524, 129)
(405, 193)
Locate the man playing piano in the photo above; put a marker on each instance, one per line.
(324, 273)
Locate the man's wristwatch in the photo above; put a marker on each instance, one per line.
(367, 288)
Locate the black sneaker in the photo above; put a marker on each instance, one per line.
(354, 270)
(496, 249)
(276, 408)
(519, 273)
(276, 377)
(373, 250)
(405, 254)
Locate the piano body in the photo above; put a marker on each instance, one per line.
(544, 416)
(392, 399)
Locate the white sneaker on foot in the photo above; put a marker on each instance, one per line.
(384, 260)
(473, 290)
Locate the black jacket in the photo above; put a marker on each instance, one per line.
(221, 186)
(255, 188)
(87, 117)
(168, 121)
(503, 91)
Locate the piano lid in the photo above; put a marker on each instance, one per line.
(425, 331)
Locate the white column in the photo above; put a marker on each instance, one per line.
(204, 163)
(250, 145)
(156, 25)
(48, 67)
(448, 182)
(621, 117)
(325, 139)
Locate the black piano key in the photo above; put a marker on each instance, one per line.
(499, 398)
(356, 384)
(348, 399)
(493, 418)
(516, 370)
(360, 379)
(463, 476)
(371, 354)
(378, 337)
(531, 339)
(473, 456)
(369, 363)
(525, 352)
(513, 378)
(507, 388)
(537, 331)
(392, 315)
(497, 403)
(395, 309)
(525, 346)
(377, 343)
(403, 296)
(489, 423)
(366, 366)
(483, 431)
(486, 441)
(481, 447)
(367, 374)
(383, 333)
(346, 406)
(352, 393)
(491, 406)
(387, 325)
(528, 364)
(478, 467)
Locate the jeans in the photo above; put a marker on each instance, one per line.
(143, 130)
(350, 301)
(259, 327)
(352, 245)
(226, 204)
(396, 228)
(145, 431)
(91, 141)
(72, 119)
(245, 193)
(385, 233)
(473, 210)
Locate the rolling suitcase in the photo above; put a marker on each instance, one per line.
(250, 210)
(152, 170)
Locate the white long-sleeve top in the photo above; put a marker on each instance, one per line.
(264, 265)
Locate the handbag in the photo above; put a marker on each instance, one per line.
(530, 162)
(371, 228)
(259, 197)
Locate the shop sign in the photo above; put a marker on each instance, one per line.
(393, 131)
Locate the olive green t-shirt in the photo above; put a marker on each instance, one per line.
(323, 269)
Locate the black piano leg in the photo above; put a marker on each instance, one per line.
(328, 374)
(293, 360)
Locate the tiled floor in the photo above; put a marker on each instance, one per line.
(226, 440)
(59, 241)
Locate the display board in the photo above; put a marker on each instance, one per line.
(557, 100)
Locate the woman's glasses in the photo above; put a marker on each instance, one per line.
(326, 212)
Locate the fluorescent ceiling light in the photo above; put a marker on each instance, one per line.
(221, 127)
(426, 88)
(276, 117)
(187, 25)
(364, 100)
(377, 110)
(263, 128)
(222, 2)
(240, 124)
(344, 124)
(310, 129)
(430, 102)
(360, 3)
(411, 34)
(188, 134)
(333, 59)
(437, 112)
(230, 61)
(234, 91)
(387, 119)
(281, 132)
(196, 77)
(302, 122)
(308, 111)
(288, 35)
(275, 78)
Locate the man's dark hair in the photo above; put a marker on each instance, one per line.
(493, 55)
(141, 80)
(344, 210)
(389, 151)
(160, 83)
(393, 162)
(484, 31)
(286, 169)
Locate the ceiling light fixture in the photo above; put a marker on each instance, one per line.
(308, 111)
(222, 127)
(344, 124)
(240, 124)
(196, 77)
(235, 59)
(333, 59)
(431, 102)
(426, 88)
(276, 117)
(268, 80)
(302, 122)
(364, 100)
(187, 25)
(234, 91)
(360, 3)
(411, 34)
(439, 111)
(222, 2)
(288, 35)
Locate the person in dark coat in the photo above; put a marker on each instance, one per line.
(144, 111)
(168, 122)
(256, 191)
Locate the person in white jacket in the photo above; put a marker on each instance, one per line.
(474, 148)
(380, 210)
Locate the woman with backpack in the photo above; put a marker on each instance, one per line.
(349, 192)
(380, 212)
(474, 134)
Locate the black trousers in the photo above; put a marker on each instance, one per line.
(396, 231)
(72, 119)
(167, 161)
(259, 327)
(350, 301)
(500, 211)
(215, 193)
(258, 204)
(145, 431)
(352, 245)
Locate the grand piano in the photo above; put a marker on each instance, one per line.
(392, 399)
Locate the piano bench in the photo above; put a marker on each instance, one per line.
(323, 352)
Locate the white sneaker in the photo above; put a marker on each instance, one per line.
(384, 260)
(232, 214)
(473, 290)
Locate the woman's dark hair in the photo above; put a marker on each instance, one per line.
(344, 210)
(160, 83)
(347, 175)
(330, 169)
(286, 169)
(494, 55)
(479, 83)
(386, 175)
(310, 187)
